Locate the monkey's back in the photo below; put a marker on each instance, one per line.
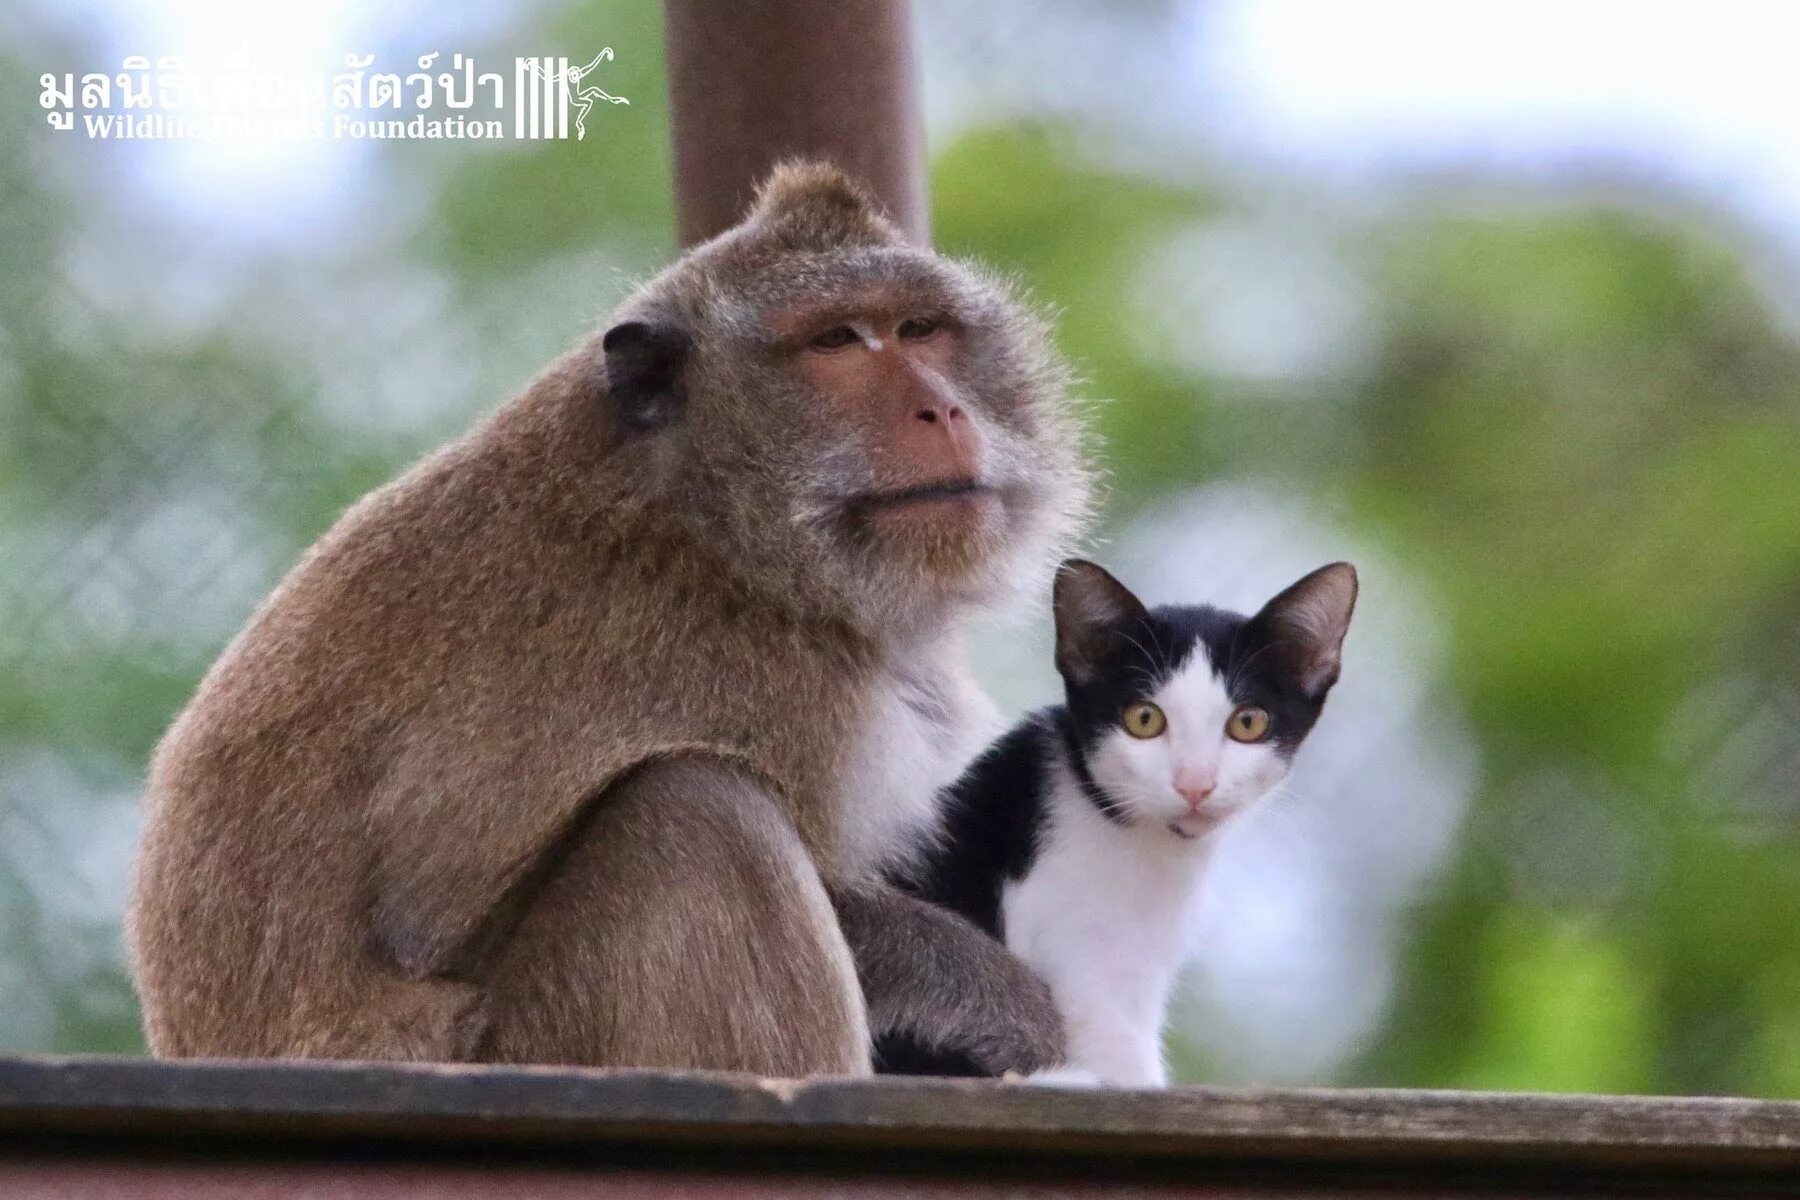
(379, 761)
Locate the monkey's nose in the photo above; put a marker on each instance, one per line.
(932, 413)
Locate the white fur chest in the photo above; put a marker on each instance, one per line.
(919, 732)
(1106, 916)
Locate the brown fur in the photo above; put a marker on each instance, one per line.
(533, 756)
(686, 865)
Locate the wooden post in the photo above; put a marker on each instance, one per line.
(755, 81)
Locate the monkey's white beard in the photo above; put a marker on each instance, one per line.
(893, 589)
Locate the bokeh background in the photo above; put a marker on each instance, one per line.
(1497, 300)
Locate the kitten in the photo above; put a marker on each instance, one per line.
(1078, 838)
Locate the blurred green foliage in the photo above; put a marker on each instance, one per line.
(1577, 426)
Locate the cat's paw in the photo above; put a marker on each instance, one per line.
(1069, 1077)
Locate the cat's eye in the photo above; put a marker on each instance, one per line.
(835, 338)
(1247, 723)
(1143, 719)
(917, 328)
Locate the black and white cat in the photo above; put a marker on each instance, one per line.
(1079, 837)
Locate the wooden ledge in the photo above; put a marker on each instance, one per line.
(118, 1106)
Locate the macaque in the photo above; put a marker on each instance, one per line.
(591, 738)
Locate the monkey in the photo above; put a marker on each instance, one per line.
(589, 739)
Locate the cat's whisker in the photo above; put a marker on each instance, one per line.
(1149, 673)
(1238, 671)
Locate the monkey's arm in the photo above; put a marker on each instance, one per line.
(929, 974)
(463, 832)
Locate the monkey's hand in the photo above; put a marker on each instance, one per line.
(928, 973)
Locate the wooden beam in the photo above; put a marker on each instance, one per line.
(754, 81)
(89, 1121)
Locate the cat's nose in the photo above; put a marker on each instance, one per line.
(1195, 789)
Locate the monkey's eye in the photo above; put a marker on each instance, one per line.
(1143, 719)
(1247, 723)
(916, 329)
(835, 338)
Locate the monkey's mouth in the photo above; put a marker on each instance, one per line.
(953, 490)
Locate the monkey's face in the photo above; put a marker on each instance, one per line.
(888, 380)
(910, 464)
(868, 415)
(896, 422)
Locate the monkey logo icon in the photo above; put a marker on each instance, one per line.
(549, 87)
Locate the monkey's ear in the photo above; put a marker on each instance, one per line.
(815, 206)
(1092, 609)
(644, 362)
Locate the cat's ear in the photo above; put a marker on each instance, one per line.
(1091, 606)
(1304, 627)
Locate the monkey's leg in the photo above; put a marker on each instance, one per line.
(685, 926)
(930, 975)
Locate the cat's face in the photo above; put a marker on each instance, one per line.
(1186, 717)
